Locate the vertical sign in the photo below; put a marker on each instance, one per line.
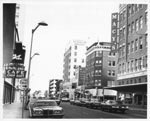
(114, 30)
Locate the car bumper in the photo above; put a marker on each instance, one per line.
(50, 116)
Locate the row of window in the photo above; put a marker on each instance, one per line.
(111, 72)
(111, 63)
(133, 65)
(132, 9)
(134, 26)
(132, 81)
(133, 46)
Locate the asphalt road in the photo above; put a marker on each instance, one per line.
(78, 112)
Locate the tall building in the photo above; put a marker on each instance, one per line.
(100, 68)
(74, 56)
(11, 49)
(54, 87)
(132, 53)
(8, 46)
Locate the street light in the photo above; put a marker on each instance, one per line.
(34, 55)
(30, 57)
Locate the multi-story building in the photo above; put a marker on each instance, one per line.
(132, 53)
(74, 56)
(100, 68)
(54, 86)
(8, 46)
(80, 77)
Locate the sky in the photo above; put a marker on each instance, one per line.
(67, 20)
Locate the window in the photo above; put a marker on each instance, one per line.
(75, 47)
(109, 63)
(128, 67)
(123, 32)
(145, 40)
(129, 11)
(132, 46)
(132, 65)
(98, 53)
(132, 27)
(128, 48)
(140, 43)
(113, 63)
(140, 63)
(129, 29)
(145, 61)
(141, 22)
(145, 17)
(136, 64)
(140, 6)
(136, 25)
(109, 72)
(75, 60)
(82, 60)
(135, 6)
(113, 73)
(136, 44)
(75, 53)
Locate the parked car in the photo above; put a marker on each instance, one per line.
(45, 108)
(112, 105)
(77, 102)
(95, 103)
(72, 101)
(65, 99)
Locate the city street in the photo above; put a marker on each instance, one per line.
(76, 112)
(73, 111)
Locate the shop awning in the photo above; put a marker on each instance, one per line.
(139, 87)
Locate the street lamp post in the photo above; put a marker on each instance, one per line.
(30, 57)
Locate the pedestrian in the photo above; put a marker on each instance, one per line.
(27, 103)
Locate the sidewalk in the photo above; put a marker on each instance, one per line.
(13, 110)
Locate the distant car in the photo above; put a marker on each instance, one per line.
(65, 99)
(58, 101)
(72, 102)
(112, 105)
(45, 108)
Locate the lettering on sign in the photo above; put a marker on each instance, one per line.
(114, 31)
(17, 57)
(10, 73)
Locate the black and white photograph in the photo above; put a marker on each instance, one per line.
(74, 59)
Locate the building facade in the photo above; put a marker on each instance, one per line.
(8, 46)
(74, 56)
(132, 53)
(100, 68)
(54, 87)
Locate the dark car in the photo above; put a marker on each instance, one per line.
(45, 108)
(113, 105)
(95, 103)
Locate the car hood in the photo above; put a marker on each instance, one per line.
(48, 108)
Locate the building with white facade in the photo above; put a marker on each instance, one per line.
(74, 56)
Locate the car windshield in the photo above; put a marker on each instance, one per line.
(46, 103)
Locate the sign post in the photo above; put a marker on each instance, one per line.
(23, 104)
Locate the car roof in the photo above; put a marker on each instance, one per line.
(45, 100)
